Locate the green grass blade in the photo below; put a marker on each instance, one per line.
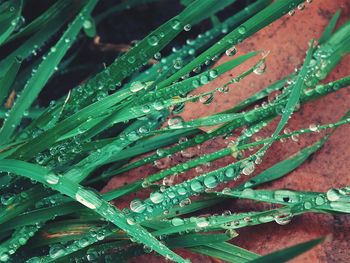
(282, 168)
(251, 26)
(226, 251)
(88, 199)
(32, 44)
(9, 17)
(40, 21)
(42, 74)
(288, 253)
(18, 239)
(8, 78)
(328, 31)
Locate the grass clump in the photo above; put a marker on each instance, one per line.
(54, 159)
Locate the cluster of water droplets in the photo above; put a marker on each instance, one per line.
(93, 236)
(19, 239)
(339, 199)
(300, 7)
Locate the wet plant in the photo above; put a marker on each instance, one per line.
(127, 114)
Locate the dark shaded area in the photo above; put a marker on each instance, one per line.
(122, 28)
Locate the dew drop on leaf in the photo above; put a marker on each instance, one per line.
(175, 122)
(137, 206)
(51, 178)
(156, 197)
(231, 51)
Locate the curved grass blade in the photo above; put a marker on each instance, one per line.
(18, 239)
(284, 167)
(42, 74)
(226, 251)
(251, 26)
(9, 17)
(54, 11)
(328, 31)
(293, 99)
(7, 79)
(136, 57)
(88, 199)
(288, 253)
(289, 164)
(32, 44)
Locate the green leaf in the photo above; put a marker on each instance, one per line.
(225, 251)
(42, 74)
(9, 17)
(89, 199)
(288, 253)
(51, 13)
(8, 78)
(282, 168)
(248, 28)
(328, 31)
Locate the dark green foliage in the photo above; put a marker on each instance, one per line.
(54, 158)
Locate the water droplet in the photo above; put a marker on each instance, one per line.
(319, 200)
(206, 99)
(52, 178)
(175, 24)
(181, 191)
(204, 79)
(137, 206)
(202, 222)
(242, 30)
(291, 12)
(157, 56)
(248, 168)
(307, 205)
(87, 24)
(130, 221)
(177, 221)
(260, 69)
(333, 195)
(231, 51)
(313, 127)
(185, 202)
(146, 109)
(210, 181)
(137, 86)
(153, 40)
(230, 172)
(283, 218)
(56, 250)
(231, 233)
(175, 123)
(4, 257)
(301, 6)
(213, 73)
(156, 197)
(131, 59)
(88, 199)
(7, 198)
(197, 186)
(187, 27)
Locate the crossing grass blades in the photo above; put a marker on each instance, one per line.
(53, 158)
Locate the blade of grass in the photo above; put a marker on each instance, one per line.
(88, 199)
(328, 31)
(43, 73)
(288, 253)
